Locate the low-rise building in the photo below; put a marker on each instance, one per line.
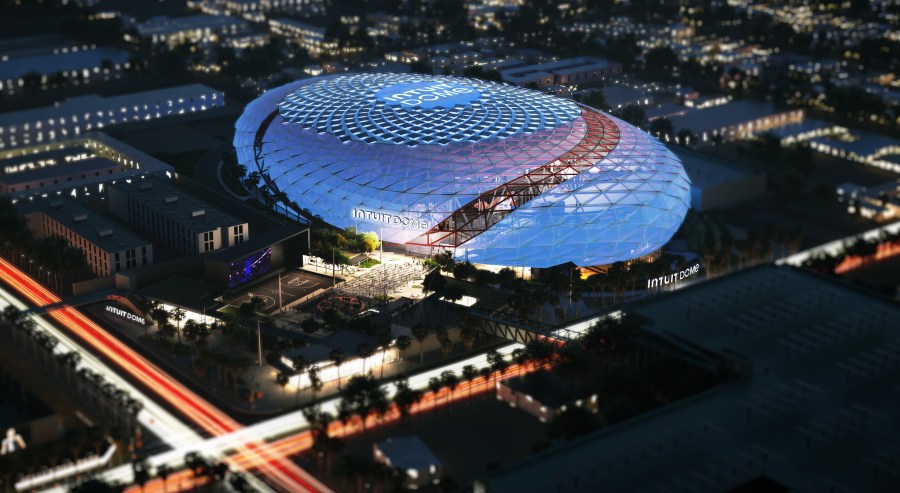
(76, 168)
(544, 395)
(813, 410)
(75, 116)
(190, 29)
(736, 120)
(50, 175)
(412, 460)
(256, 10)
(34, 61)
(309, 37)
(176, 218)
(107, 246)
(571, 71)
(346, 340)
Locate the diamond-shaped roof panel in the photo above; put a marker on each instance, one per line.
(501, 174)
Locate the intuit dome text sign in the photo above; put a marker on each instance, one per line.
(389, 219)
(428, 94)
(673, 277)
(125, 314)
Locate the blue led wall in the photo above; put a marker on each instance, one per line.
(250, 267)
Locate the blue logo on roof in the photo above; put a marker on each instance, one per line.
(428, 95)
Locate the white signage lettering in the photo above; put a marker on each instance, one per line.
(673, 277)
(389, 219)
(125, 314)
(434, 92)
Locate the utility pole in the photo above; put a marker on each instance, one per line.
(279, 291)
(381, 261)
(259, 342)
(332, 268)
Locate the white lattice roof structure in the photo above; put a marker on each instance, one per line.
(500, 174)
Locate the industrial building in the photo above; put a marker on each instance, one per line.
(812, 408)
(176, 218)
(73, 117)
(107, 246)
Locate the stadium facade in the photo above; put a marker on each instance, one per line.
(499, 174)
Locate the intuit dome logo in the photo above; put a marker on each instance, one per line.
(673, 277)
(428, 95)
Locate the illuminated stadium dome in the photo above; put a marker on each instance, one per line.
(500, 174)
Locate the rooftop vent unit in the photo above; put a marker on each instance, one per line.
(198, 213)
(103, 233)
(145, 185)
(79, 217)
(56, 204)
(171, 199)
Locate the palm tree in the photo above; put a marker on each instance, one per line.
(162, 472)
(337, 356)
(446, 347)
(497, 362)
(402, 344)
(451, 381)
(282, 379)
(362, 395)
(191, 334)
(469, 372)
(300, 365)
(141, 470)
(405, 397)
(364, 351)
(384, 340)
(178, 315)
(420, 332)
(485, 373)
(315, 382)
(520, 356)
(434, 385)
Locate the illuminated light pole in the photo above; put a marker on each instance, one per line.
(381, 261)
(259, 343)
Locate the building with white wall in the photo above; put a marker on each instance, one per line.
(107, 246)
(73, 117)
(74, 168)
(175, 218)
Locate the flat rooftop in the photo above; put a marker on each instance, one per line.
(160, 195)
(733, 113)
(94, 227)
(408, 452)
(815, 412)
(92, 103)
(861, 142)
(565, 66)
(85, 166)
(706, 170)
(69, 61)
(166, 25)
(299, 24)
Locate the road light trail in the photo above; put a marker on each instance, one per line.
(295, 423)
(152, 416)
(247, 440)
(284, 473)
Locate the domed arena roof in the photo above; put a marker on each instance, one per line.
(500, 174)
